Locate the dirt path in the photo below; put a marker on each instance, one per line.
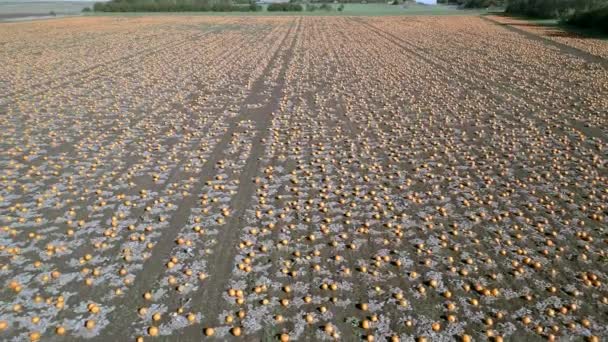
(209, 300)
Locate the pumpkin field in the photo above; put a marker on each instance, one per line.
(293, 178)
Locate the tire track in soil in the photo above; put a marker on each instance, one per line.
(132, 153)
(131, 161)
(209, 299)
(172, 174)
(352, 132)
(153, 266)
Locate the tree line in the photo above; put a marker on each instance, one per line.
(580, 13)
(174, 6)
(473, 3)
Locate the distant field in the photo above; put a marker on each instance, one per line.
(42, 7)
